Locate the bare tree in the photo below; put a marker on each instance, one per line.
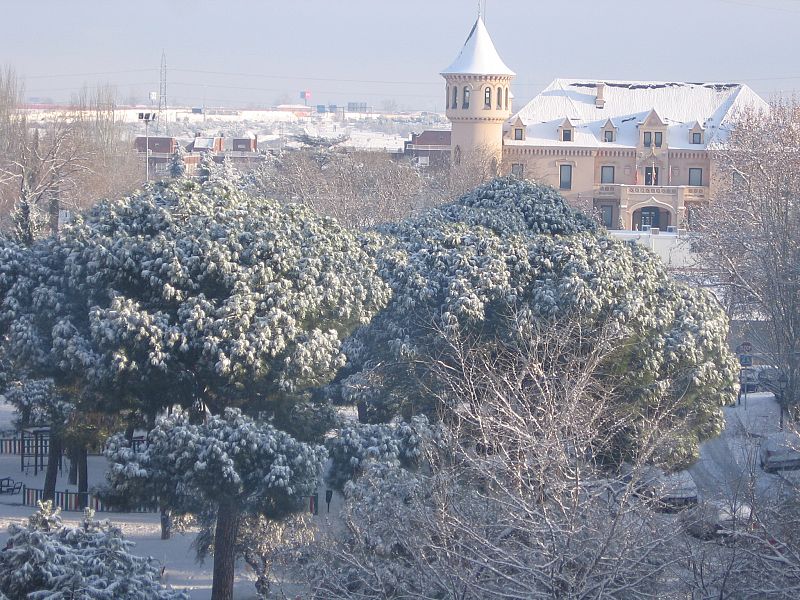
(65, 159)
(359, 189)
(748, 234)
(518, 495)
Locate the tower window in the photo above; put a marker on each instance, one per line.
(457, 155)
(447, 96)
(465, 103)
(455, 97)
(487, 98)
(499, 98)
(506, 98)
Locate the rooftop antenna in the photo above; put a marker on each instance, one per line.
(162, 93)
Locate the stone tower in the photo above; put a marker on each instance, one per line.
(478, 97)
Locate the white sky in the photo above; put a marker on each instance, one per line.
(256, 52)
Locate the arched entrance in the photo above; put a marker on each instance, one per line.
(651, 216)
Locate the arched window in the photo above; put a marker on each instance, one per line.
(455, 97)
(487, 97)
(457, 155)
(506, 98)
(465, 103)
(499, 98)
(446, 96)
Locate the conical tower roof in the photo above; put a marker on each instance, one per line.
(478, 56)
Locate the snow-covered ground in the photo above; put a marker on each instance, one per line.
(727, 462)
(724, 465)
(181, 569)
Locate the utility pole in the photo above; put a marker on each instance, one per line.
(147, 117)
(162, 93)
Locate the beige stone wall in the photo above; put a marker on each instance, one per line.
(478, 128)
(627, 194)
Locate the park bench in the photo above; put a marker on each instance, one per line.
(9, 486)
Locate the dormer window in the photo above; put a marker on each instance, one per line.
(659, 138)
(465, 103)
(566, 131)
(648, 139)
(609, 131)
(487, 98)
(518, 133)
(696, 133)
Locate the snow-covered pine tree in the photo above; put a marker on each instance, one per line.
(93, 561)
(230, 467)
(191, 294)
(512, 255)
(177, 166)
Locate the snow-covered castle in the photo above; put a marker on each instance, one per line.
(637, 151)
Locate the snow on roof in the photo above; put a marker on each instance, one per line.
(628, 103)
(478, 56)
(204, 143)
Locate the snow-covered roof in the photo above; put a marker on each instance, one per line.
(628, 104)
(201, 143)
(478, 56)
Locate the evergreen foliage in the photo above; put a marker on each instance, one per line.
(189, 293)
(230, 459)
(398, 444)
(512, 256)
(46, 559)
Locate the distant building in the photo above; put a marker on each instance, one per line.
(165, 145)
(245, 144)
(429, 148)
(207, 144)
(637, 151)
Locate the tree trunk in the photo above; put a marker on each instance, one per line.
(166, 523)
(83, 473)
(53, 459)
(73, 464)
(129, 431)
(224, 554)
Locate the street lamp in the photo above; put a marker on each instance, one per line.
(147, 117)
(782, 381)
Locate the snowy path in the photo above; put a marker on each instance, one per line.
(727, 462)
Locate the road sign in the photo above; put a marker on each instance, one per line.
(745, 348)
(746, 360)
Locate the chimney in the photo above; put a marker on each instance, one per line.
(600, 101)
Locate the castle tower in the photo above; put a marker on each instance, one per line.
(478, 97)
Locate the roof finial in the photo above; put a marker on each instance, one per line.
(479, 9)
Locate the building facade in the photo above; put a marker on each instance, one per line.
(635, 151)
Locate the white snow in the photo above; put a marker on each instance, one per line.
(627, 104)
(478, 56)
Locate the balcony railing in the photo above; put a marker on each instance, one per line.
(620, 191)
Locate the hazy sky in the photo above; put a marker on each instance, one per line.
(249, 52)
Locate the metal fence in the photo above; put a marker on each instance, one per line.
(73, 501)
